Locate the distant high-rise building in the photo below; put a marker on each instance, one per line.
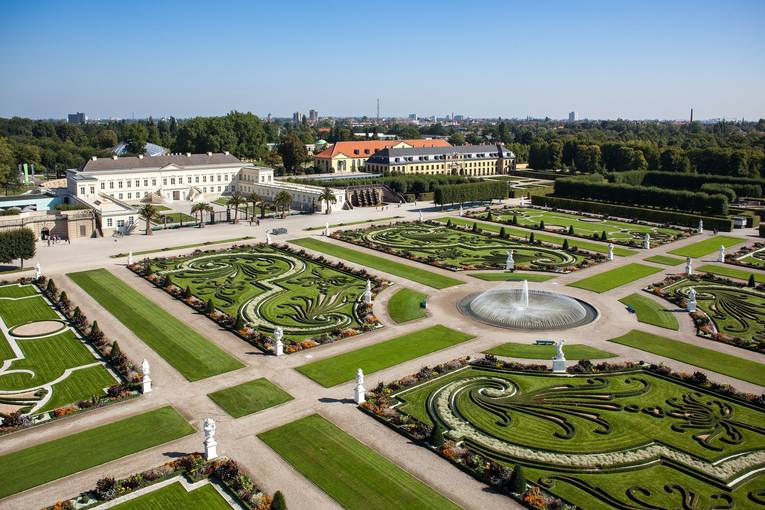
(572, 116)
(458, 118)
(77, 118)
(313, 116)
(412, 116)
(297, 118)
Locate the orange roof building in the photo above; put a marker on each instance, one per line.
(352, 156)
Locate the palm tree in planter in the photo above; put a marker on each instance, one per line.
(199, 209)
(328, 197)
(149, 213)
(283, 201)
(254, 199)
(235, 201)
(209, 210)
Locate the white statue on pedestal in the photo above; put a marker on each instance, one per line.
(691, 300)
(38, 272)
(130, 258)
(559, 361)
(146, 370)
(368, 293)
(688, 266)
(701, 226)
(420, 220)
(359, 393)
(647, 241)
(268, 237)
(610, 251)
(278, 345)
(211, 445)
(510, 262)
(721, 256)
(461, 212)
(326, 229)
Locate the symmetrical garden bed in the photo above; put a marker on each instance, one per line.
(727, 311)
(607, 436)
(252, 290)
(53, 362)
(586, 226)
(750, 256)
(456, 248)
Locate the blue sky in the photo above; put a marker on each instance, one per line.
(604, 59)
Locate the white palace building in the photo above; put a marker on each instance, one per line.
(116, 187)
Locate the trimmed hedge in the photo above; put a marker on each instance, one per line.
(743, 186)
(472, 192)
(638, 213)
(529, 192)
(762, 230)
(681, 200)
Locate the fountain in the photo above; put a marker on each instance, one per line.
(522, 308)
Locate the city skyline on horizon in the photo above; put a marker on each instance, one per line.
(643, 61)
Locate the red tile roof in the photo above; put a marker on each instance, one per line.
(365, 148)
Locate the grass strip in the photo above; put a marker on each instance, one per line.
(182, 246)
(406, 305)
(533, 351)
(540, 236)
(337, 369)
(193, 355)
(614, 278)
(707, 246)
(664, 260)
(650, 312)
(731, 272)
(733, 366)
(175, 496)
(348, 224)
(250, 397)
(506, 276)
(42, 463)
(353, 474)
(408, 272)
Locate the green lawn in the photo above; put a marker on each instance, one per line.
(81, 384)
(386, 265)
(731, 272)
(651, 312)
(250, 397)
(372, 220)
(664, 260)
(614, 278)
(405, 305)
(183, 246)
(350, 472)
(21, 311)
(194, 356)
(174, 497)
(48, 461)
(17, 291)
(733, 366)
(541, 236)
(176, 217)
(507, 276)
(337, 369)
(707, 246)
(533, 351)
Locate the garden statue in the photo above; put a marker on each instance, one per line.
(721, 257)
(701, 226)
(559, 361)
(368, 293)
(510, 263)
(38, 272)
(688, 266)
(130, 258)
(647, 241)
(691, 300)
(420, 220)
(278, 345)
(359, 393)
(268, 238)
(326, 229)
(460, 209)
(146, 370)
(610, 251)
(211, 445)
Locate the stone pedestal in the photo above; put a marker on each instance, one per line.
(146, 384)
(688, 266)
(691, 306)
(359, 393)
(279, 348)
(610, 251)
(647, 242)
(211, 449)
(559, 366)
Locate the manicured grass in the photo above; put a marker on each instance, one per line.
(350, 472)
(17, 291)
(506, 276)
(250, 397)
(651, 312)
(80, 385)
(406, 305)
(48, 461)
(331, 371)
(614, 278)
(664, 260)
(21, 311)
(371, 220)
(707, 246)
(176, 217)
(161, 208)
(182, 246)
(731, 272)
(541, 236)
(194, 356)
(733, 366)
(175, 496)
(533, 351)
(414, 274)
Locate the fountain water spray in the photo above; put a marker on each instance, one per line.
(525, 294)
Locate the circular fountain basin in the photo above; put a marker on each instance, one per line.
(507, 308)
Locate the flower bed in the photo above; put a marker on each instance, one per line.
(194, 467)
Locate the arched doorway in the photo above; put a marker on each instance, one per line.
(45, 233)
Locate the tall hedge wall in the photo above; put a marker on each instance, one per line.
(743, 186)
(472, 192)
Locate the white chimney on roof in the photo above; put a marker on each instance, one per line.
(140, 156)
(188, 154)
(93, 158)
